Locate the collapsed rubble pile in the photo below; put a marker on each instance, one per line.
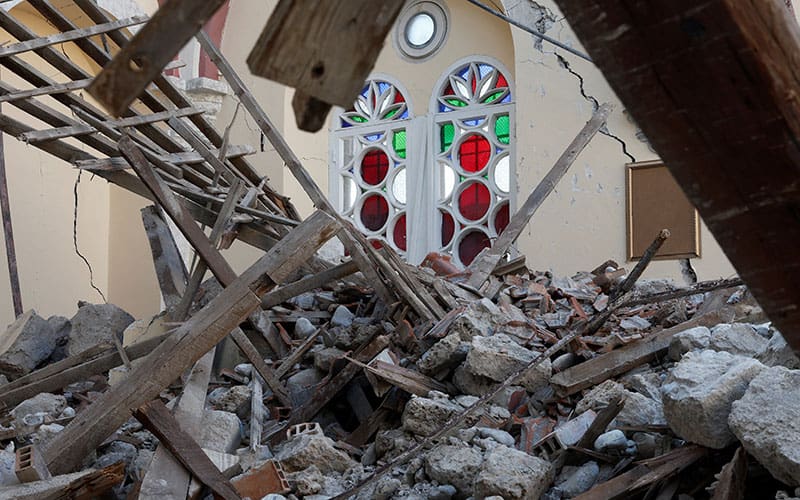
(657, 399)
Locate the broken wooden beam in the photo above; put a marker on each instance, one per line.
(157, 419)
(187, 344)
(144, 57)
(596, 370)
(8, 235)
(169, 266)
(324, 50)
(711, 87)
(483, 265)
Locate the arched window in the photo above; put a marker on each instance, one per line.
(474, 157)
(368, 181)
(456, 163)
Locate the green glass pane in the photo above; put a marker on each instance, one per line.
(501, 128)
(399, 143)
(456, 103)
(493, 97)
(359, 119)
(390, 114)
(447, 132)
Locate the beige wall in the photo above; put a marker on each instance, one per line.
(583, 222)
(52, 276)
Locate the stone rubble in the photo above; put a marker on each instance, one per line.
(715, 386)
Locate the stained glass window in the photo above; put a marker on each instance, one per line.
(474, 139)
(369, 168)
(461, 191)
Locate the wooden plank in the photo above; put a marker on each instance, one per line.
(296, 355)
(711, 85)
(170, 269)
(326, 392)
(166, 478)
(187, 344)
(594, 371)
(303, 177)
(210, 255)
(487, 260)
(56, 133)
(144, 57)
(732, 478)
(8, 235)
(17, 48)
(326, 50)
(257, 412)
(157, 419)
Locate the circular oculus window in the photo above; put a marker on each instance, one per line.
(421, 30)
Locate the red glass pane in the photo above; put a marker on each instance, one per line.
(374, 167)
(448, 90)
(471, 245)
(501, 218)
(374, 212)
(501, 80)
(474, 153)
(398, 97)
(376, 244)
(399, 233)
(474, 201)
(448, 228)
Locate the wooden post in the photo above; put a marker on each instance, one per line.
(8, 233)
(714, 87)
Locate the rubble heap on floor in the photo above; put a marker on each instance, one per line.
(658, 399)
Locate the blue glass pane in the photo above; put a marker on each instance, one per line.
(484, 69)
(345, 124)
(365, 90)
(382, 86)
(374, 137)
(464, 71)
(507, 98)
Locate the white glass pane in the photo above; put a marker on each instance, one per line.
(399, 186)
(420, 29)
(349, 193)
(447, 182)
(502, 174)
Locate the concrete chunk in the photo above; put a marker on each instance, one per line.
(456, 465)
(423, 416)
(737, 338)
(699, 392)
(34, 340)
(692, 339)
(307, 449)
(767, 422)
(95, 324)
(498, 356)
(512, 474)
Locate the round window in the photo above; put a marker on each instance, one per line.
(421, 30)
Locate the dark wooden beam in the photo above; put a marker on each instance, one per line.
(149, 51)
(714, 85)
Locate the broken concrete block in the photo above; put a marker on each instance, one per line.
(301, 385)
(44, 403)
(220, 431)
(767, 422)
(324, 358)
(235, 399)
(573, 481)
(423, 416)
(737, 338)
(145, 329)
(480, 318)
(446, 353)
(8, 460)
(342, 317)
(27, 342)
(778, 353)
(392, 442)
(455, 465)
(498, 435)
(498, 356)
(303, 450)
(693, 339)
(638, 409)
(95, 324)
(699, 391)
(474, 385)
(303, 328)
(611, 440)
(512, 474)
